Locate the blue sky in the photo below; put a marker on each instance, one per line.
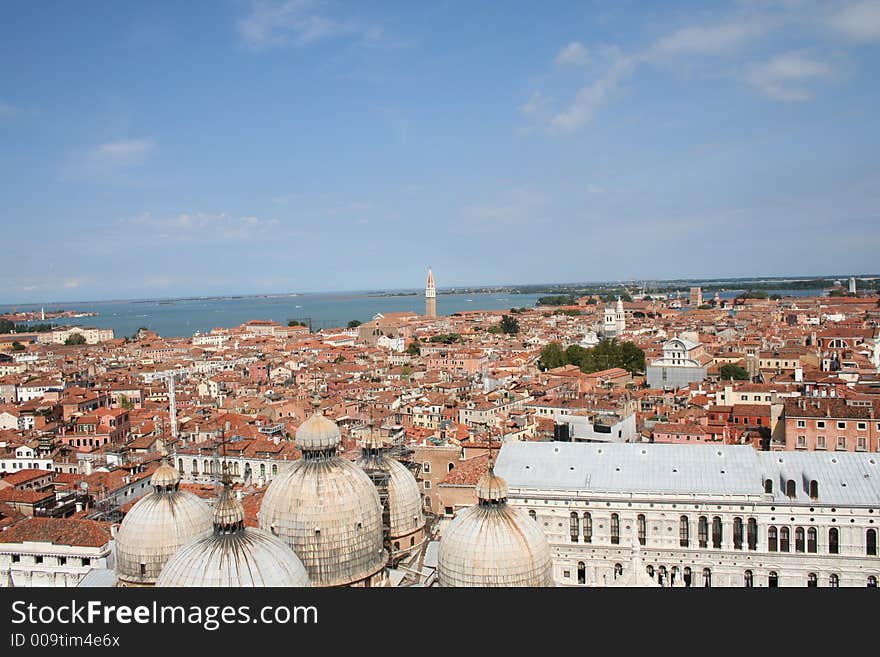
(228, 147)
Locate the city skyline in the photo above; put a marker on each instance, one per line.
(162, 151)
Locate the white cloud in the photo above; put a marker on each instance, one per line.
(708, 39)
(514, 207)
(186, 227)
(589, 98)
(109, 159)
(536, 104)
(574, 53)
(72, 283)
(783, 76)
(296, 22)
(859, 21)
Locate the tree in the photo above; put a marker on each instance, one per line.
(354, 323)
(339, 359)
(735, 372)
(446, 338)
(509, 325)
(17, 346)
(775, 297)
(552, 356)
(125, 402)
(414, 349)
(293, 322)
(405, 371)
(632, 358)
(75, 339)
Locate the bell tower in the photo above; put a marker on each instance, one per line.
(430, 296)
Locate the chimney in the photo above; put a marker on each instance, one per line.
(798, 373)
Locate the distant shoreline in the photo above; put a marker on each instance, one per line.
(869, 282)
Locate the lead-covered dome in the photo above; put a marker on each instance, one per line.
(405, 517)
(493, 544)
(234, 555)
(157, 526)
(326, 509)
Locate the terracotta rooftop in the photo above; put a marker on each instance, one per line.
(58, 531)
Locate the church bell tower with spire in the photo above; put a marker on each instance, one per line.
(430, 296)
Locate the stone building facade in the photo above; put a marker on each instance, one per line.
(705, 515)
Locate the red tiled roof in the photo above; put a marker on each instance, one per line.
(24, 476)
(59, 531)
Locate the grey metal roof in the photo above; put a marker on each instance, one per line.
(698, 469)
(432, 554)
(844, 478)
(98, 578)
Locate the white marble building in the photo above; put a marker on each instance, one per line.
(704, 515)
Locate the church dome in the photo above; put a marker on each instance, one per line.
(158, 525)
(404, 497)
(494, 544)
(234, 555)
(327, 509)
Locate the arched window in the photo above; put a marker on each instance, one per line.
(812, 582)
(180, 465)
(618, 570)
(707, 578)
(753, 534)
(582, 573)
(737, 533)
(449, 467)
(784, 536)
(799, 539)
(814, 489)
(748, 579)
(771, 539)
(574, 527)
(683, 531)
(661, 576)
(716, 532)
(274, 469)
(773, 580)
(533, 515)
(872, 582)
(615, 528)
(703, 531)
(588, 528)
(834, 581)
(195, 467)
(768, 486)
(643, 529)
(687, 577)
(650, 570)
(263, 470)
(812, 540)
(790, 488)
(833, 547)
(673, 575)
(871, 542)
